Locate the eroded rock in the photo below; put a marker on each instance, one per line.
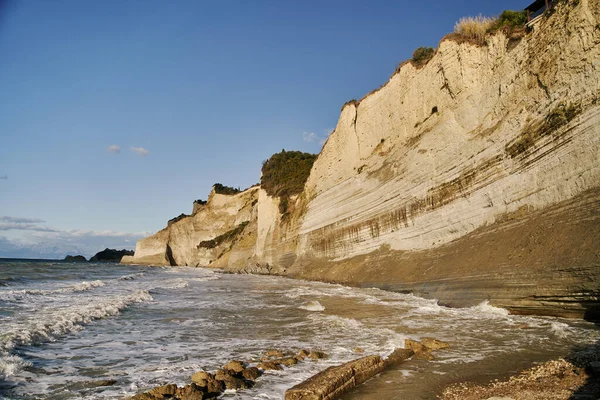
(190, 392)
(317, 355)
(251, 373)
(398, 356)
(235, 366)
(164, 391)
(434, 344)
(269, 365)
(335, 381)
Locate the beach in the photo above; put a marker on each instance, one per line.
(67, 326)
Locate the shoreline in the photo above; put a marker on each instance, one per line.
(576, 376)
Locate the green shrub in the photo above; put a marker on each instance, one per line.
(511, 19)
(226, 190)
(422, 55)
(200, 201)
(285, 173)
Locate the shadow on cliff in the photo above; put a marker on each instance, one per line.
(582, 356)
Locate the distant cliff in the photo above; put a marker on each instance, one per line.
(78, 258)
(111, 255)
(471, 176)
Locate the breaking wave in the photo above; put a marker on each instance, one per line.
(312, 306)
(54, 324)
(80, 287)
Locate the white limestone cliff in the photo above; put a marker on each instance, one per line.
(474, 177)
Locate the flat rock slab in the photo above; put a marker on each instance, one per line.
(334, 381)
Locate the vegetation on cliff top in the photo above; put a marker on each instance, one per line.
(475, 29)
(285, 173)
(226, 190)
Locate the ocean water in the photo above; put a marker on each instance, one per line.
(64, 326)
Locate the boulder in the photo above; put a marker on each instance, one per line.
(211, 385)
(190, 392)
(398, 356)
(231, 382)
(251, 373)
(269, 365)
(302, 354)
(164, 391)
(235, 366)
(274, 353)
(434, 344)
(415, 346)
(335, 381)
(220, 374)
(201, 375)
(316, 355)
(288, 361)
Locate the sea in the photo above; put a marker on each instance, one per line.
(66, 326)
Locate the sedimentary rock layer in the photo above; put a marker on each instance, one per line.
(474, 177)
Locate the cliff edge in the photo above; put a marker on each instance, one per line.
(473, 177)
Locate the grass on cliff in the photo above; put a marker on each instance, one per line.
(475, 29)
(226, 237)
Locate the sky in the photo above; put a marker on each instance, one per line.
(116, 115)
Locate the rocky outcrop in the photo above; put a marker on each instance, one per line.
(111, 255)
(71, 258)
(473, 177)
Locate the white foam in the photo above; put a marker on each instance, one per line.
(313, 306)
(10, 364)
(489, 310)
(45, 327)
(560, 329)
(79, 287)
(131, 277)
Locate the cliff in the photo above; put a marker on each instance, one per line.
(473, 177)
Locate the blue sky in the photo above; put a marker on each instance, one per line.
(192, 93)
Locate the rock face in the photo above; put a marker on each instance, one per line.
(474, 177)
(220, 233)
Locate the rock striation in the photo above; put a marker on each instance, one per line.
(474, 177)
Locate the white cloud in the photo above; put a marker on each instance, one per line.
(114, 149)
(20, 220)
(312, 137)
(309, 137)
(140, 151)
(23, 224)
